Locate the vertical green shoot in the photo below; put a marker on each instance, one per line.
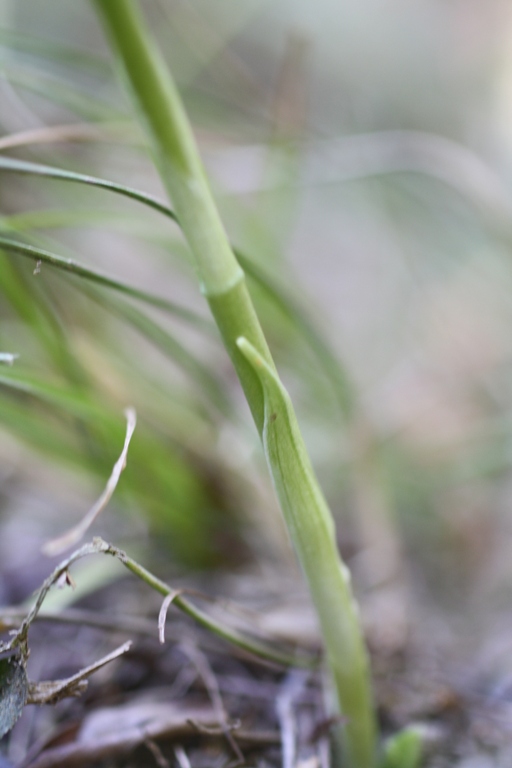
(222, 281)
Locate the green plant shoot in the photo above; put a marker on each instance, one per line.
(222, 281)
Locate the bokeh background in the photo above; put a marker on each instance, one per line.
(361, 154)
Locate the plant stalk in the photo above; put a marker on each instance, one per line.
(222, 281)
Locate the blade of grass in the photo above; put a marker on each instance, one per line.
(35, 169)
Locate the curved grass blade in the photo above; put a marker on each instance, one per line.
(14, 165)
(75, 268)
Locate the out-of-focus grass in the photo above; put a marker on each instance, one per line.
(371, 191)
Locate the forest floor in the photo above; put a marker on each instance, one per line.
(197, 701)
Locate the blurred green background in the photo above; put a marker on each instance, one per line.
(361, 155)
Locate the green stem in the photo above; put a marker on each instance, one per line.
(173, 144)
(248, 644)
(231, 635)
(222, 280)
